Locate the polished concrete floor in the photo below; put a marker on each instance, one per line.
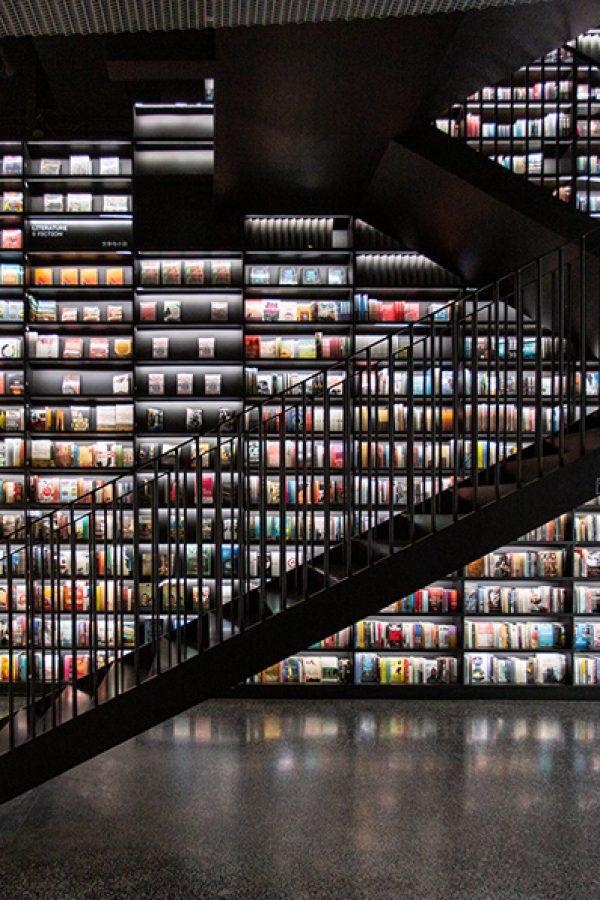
(323, 799)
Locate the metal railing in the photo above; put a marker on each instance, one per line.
(304, 489)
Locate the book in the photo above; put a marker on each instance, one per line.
(311, 275)
(194, 272)
(53, 203)
(156, 383)
(160, 348)
(172, 311)
(12, 201)
(120, 384)
(109, 165)
(193, 419)
(123, 347)
(114, 313)
(206, 348)
(288, 275)
(212, 385)
(42, 277)
(80, 164)
(50, 167)
(154, 418)
(115, 203)
(11, 274)
(71, 384)
(220, 273)
(89, 276)
(115, 276)
(69, 277)
(99, 348)
(150, 273)
(170, 273)
(79, 203)
(12, 239)
(260, 275)
(184, 383)
(219, 311)
(148, 311)
(72, 348)
(12, 164)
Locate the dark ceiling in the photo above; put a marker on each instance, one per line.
(66, 17)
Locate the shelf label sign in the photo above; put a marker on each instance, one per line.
(99, 235)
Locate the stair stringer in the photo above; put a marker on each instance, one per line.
(516, 511)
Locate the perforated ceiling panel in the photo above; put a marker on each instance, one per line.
(62, 17)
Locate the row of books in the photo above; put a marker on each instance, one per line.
(12, 491)
(50, 632)
(554, 530)
(55, 346)
(317, 346)
(518, 564)
(552, 125)
(186, 273)
(81, 202)
(10, 522)
(372, 668)
(586, 562)
(587, 636)
(65, 490)
(52, 667)
(296, 526)
(514, 635)
(587, 526)
(386, 635)
(307, 670)
(41, 310)
(170, 311)
(80, 164)
(297, 453)
(298, 311)
(186, 384)
(433, 600)
(104, 417)
(537, 669)
(495, 599)
(80, 276)
(370, 309)
(12, 453)
(290, 275)
(12, 311)
(589, 165)
(586, 670)
(72, 455)
(12, 418)
(160, 347)
(71, 382)
(489, 384)
(265, 384)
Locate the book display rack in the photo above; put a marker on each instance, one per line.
(525, 615)
(543, 121)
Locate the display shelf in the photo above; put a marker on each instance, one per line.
(542, 122)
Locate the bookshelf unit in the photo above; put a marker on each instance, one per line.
(542, 121)
(79, 373)
(189, 379)
(13, 397)
(524, 617)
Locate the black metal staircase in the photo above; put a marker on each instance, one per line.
(320, 505)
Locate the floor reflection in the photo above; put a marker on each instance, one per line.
(278, 799)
